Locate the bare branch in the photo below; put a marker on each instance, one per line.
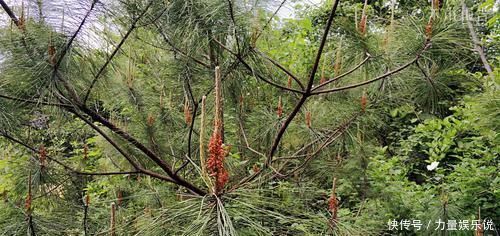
(150, 154)
(343, 75)
(253, 72)
(9, 12)
(277, 64)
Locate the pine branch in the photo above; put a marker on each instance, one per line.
(233, 21)
(343, 75)
(73, 37)
(300, 103)
(281, 67)
(150, 154)
(65, 166)
(132, 27)
(19, 25)
(387, 74)
(9, 12)
(253, 72)
(176, 49)
(34, 102)
(332, 138)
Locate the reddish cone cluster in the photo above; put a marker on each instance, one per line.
(279, 110)
(87, 200)
(217, 153)
(289, 84)
(428, 29)
(362, 25)
(119, 198)
(308, 119)
(333, 203)
(27, 203)
(364, 101)
(85, 151)
(52, 54)
(42, 155)
(215, 162)
(187, 112)
(151, 120)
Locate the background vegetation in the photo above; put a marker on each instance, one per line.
(216, 117)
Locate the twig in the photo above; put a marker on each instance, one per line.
(277, 64)
(9, 12)
(112, 223)
(270, 19)
(231, 14)
(342, 75)
(149, 153)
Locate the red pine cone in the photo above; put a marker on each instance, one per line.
(364, 101)
(87, 200)
(119, 198)
(308, 119)
(52, 55)
(85, 151)
(215, 162)
(27, 203)
(279, 110)
(187, 113)
(151, 120)
(362, 25)
(428, 29)
(42, 152)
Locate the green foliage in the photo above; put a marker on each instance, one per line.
(421, 142)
